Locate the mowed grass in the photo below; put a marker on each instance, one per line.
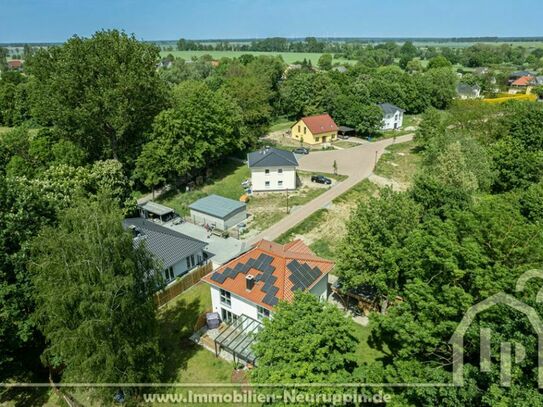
(288, 57)
(184, 361)
(225, 181)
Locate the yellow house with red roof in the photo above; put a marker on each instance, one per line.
(318, 129)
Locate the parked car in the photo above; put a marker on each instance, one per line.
(246, 183)
(321, 179)
(343, 136)
(301, 150)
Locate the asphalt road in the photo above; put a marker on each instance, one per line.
(356, 162)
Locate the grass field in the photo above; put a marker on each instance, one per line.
(288, 57)
(400, 163)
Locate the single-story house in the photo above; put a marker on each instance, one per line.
(252, 284)
(218, 211)
(155, 211)
(272, 169)
(392, 116)
(524, 81)
(177, 253)
(513, 76)
(15, 65)
(465, 91)
(319, 129)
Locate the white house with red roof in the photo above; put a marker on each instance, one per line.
(318, 129)
(252, 284)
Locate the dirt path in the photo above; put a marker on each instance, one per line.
(356, 162)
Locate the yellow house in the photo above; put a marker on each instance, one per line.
(317, 129)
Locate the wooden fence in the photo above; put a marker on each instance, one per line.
(182, 284)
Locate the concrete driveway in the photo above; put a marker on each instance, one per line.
(355, 162)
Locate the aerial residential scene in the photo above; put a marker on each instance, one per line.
(270, 203)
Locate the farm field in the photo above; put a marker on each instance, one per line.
(288, 57)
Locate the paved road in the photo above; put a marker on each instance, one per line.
(356, 162)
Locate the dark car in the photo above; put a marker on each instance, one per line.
(321, 179)
(301, 150)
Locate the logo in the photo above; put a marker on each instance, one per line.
(509, 352)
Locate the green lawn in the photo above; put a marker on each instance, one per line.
(288, 57)
(281, 123)
(365, 353)
(226, 181)
(5, 129)
(345, 144)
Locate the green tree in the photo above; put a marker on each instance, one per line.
(100, 323)
(325, 62)
(202, 127)
(376, 234)
(24, 209)
(101, 93)
(439, 61)
(306, 341)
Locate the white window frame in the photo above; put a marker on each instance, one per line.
(267, 184)
(267, 171)
(226, 297)
(280, 183)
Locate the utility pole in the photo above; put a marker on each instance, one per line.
(375, 165)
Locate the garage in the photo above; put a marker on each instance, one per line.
(218, 212)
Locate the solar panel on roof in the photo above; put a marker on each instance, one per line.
(218, 277)
(302, 275)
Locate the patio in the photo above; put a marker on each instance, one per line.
(231, 342)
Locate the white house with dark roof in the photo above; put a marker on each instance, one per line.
(218, 211)
(272, 170)
(465, 91)
(177, 253)
(392, 116)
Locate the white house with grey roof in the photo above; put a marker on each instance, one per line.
(218, 211)
(177, 253)
(392, 116)
(272, 170)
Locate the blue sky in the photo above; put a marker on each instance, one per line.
(56, 20)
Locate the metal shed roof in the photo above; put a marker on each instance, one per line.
(156, 208)
(167, 245)
(218, 206)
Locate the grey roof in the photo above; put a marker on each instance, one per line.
(389, 108)
(156, 208)
(345, 128)
(271, 157)
(518, 74)
(167, 245)
(539, 80)
(340, 68)
(217, 206)
(465, 89)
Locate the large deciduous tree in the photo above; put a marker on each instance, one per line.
(306, 341)
(94, 298)
(101, 92)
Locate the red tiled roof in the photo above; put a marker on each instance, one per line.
(15, 63)
(321, 123)
(282, 256)
(523, 81)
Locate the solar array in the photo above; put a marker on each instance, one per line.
(261, 263)
(302, 275)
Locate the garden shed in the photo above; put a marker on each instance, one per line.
(218, 212)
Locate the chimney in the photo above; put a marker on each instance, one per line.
(249, 282)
